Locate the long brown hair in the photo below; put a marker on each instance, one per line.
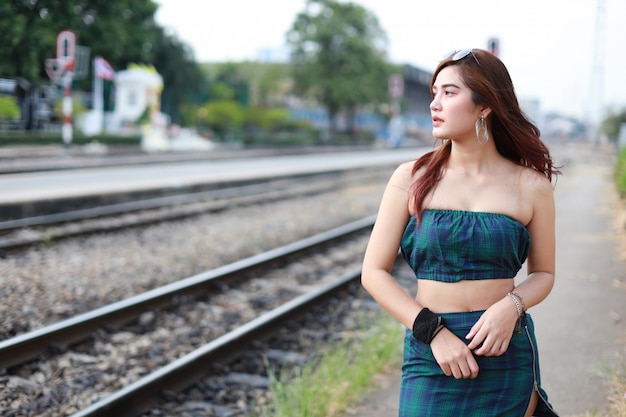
(515, 136)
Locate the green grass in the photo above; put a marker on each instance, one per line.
(339, 375)
(620, 172)
(618, 398)
(614, 373)
(617, 375)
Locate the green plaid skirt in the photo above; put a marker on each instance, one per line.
(502, 389)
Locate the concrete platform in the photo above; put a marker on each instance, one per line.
(43, 192)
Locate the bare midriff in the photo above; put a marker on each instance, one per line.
(461, 296)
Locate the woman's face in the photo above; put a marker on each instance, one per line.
(453, 112)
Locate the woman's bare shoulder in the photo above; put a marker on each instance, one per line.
(535, 183)
(403, 174)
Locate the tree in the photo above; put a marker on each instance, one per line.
(182, 77)
(612, 124)
(267, 82)
(226, 82)
(123, 31)
(251, 83)
(24, 36)
(338, 57)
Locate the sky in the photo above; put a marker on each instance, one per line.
(548, 46)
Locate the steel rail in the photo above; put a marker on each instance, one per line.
(29, 346)
(144, 204)
(182, 373)
(8, 245)
(190, 205)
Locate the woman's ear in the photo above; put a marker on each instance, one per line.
(485, 112)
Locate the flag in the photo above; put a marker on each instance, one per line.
(103, 69)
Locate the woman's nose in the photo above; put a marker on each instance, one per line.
(434, 104)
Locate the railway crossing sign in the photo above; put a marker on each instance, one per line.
(66, 47)
(64, 61)
(54, 69)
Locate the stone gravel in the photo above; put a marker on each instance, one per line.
(52, 282)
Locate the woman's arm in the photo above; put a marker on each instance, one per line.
(382, 249)
(494, 329)
(452, 354)
(541, 259)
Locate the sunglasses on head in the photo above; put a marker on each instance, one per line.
(457, 54)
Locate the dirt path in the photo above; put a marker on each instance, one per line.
(581, 326)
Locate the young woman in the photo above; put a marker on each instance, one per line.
(466, 216)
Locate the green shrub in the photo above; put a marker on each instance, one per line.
(77, 108)
(9, 109)
(223, 116)
(13, 138)
(620, 172)
(267, 119)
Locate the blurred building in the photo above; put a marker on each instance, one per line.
(35, 102)
(416, 101)
(414, 104)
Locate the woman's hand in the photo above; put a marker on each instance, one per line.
(491, 334)
(453, 355)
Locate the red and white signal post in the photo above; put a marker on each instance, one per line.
(63, 66)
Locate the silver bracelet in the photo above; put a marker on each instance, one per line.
(521, 300)
(518, 305)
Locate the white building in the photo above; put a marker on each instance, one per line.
(137, 89)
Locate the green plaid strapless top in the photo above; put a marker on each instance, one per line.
(454, 245)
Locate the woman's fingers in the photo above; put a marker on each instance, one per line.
(454, 357)
(475, 328)
(493, 347)
(462, 369)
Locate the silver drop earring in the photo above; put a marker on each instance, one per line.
(482, 134)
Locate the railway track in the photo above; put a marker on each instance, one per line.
(253, 317)
(20, 234)
(139, 397)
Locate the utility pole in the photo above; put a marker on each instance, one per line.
(597, 71)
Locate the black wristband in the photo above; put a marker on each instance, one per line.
(426, 324)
